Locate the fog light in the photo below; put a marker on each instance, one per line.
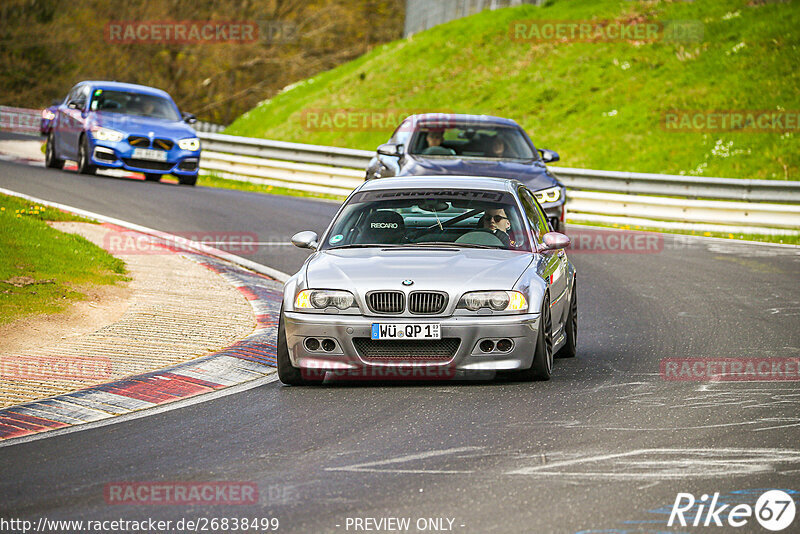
(328, 345)
(487, 345)
(312, 344)
(504, 345)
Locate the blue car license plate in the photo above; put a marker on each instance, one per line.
(406, 331)
(149, 154)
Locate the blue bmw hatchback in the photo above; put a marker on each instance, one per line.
(123, 126)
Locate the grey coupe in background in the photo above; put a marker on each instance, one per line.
(473, 145)
(430, 275)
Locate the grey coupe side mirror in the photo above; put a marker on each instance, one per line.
(306, 239)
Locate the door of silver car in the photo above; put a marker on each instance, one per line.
(555, 262)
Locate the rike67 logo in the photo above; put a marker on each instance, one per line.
(774, 510)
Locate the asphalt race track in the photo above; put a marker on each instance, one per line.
(606, 445)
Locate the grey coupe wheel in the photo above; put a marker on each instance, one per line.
(288, 373)
(50, 159)
(84, 163)
(569, 350)
(542, 365)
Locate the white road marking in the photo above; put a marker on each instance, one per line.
(373, 467)
(695, 463)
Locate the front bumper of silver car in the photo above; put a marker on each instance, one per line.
(345, 344)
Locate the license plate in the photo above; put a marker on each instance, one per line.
(149, 153)
(406, 331)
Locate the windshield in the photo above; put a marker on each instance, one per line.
(493, 142)
(419, 218)
(129, 103)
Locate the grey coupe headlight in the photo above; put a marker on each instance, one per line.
(310, 299)
(495, 300)
(551, 194)
(193, 143)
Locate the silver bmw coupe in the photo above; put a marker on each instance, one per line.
(430, 277)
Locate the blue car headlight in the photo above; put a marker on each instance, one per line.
(192, 144)
(106, 134)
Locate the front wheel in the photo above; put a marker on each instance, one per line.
(84, 162)
(50, 159)
(187, 180)
(542, 366)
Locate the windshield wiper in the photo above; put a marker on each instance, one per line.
(365, 245)
(449, 244)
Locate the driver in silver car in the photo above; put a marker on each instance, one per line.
(496, 222)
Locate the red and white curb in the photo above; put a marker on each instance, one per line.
(248, 360)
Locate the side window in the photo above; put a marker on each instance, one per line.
(534, 213)
(402, 134)
(72, 95)
(82, 96)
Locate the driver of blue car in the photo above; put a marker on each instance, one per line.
(434, 138)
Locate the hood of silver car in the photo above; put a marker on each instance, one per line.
(444, 269)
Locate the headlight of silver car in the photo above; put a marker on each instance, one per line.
(551, 194)
(107, 134)
(310, 299)
(495, 300)
(193, 143)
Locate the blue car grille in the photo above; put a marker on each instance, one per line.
(149, 165)
(140, 141)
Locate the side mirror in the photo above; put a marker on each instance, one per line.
(553, 241)
(548, 156)
(188, 118)
(307, 239)
(390, 149)
(73, 105)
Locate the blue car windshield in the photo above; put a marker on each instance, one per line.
(470, 141)
(130, 103)
(414, 218)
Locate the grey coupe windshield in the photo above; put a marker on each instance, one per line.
(130, 103)
(465, 141)
(420, 218)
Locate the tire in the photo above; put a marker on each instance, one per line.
(542, 366)
(84, 164)
(50, 159)
(288, 373)
(187, 180)
(570, 348)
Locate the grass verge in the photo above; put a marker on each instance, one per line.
(43, 270)
(600, 103)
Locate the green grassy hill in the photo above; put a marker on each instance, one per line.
(599, 103)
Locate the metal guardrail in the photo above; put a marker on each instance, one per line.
(721, 202)
(593, 194)
(20, 120)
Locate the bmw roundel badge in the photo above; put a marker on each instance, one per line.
(408, 282)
